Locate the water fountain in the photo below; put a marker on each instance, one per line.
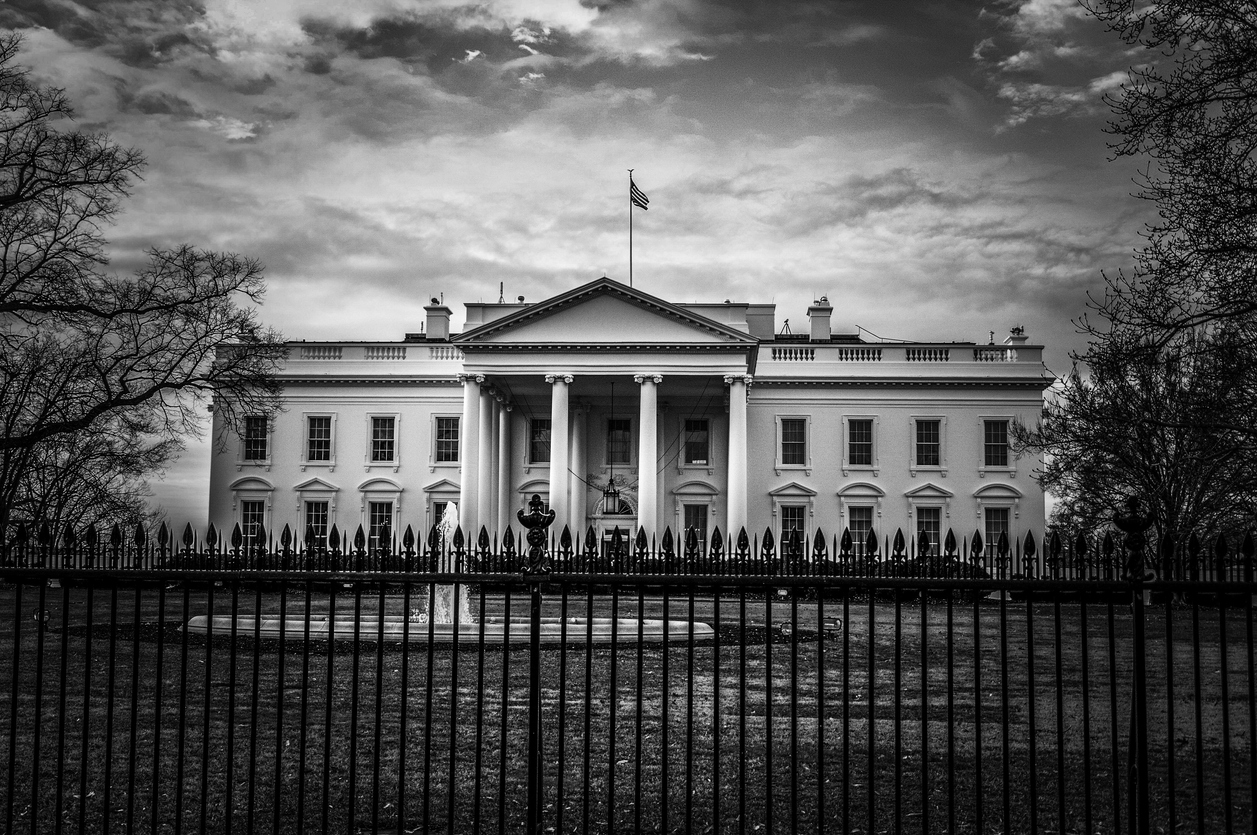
(450, 619)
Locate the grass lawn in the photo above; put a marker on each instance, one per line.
(936, 718)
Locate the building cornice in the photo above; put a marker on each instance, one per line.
(374, 381)
(915, 382)
(608, 347)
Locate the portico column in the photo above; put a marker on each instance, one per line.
(560, 495)
(469, 450)
(486, 500)
(505, 469)
(579, 467)
(648, 453)
(736, 494)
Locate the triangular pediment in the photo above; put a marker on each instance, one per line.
(794, 488)
(604, 312)
(317, 483)
(929, 490)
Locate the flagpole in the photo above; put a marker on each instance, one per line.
(630, 171)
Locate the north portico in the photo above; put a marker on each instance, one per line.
(622, 409)
(617, 374)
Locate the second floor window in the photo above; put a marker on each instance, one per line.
(447, 439)
(860, 442)
(319, 439)
(383, 438)
(995, 443)
(793, 441)
(619, 441)
(697, 442)
(539, 441)
(255, 439)
(929, 444)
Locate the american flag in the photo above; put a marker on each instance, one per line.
(639, 198)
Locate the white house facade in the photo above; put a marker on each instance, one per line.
(623, 409)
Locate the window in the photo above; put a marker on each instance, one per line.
(380, 519)
(696, 520)
(860, 442)
(995, 443)
(316, 521)
(929, 444)
(383, 439)
(793, 518)
(252, 517)
(794, 442)
(319, 438)
(929, 523)
(539, 441)
(619, 441)
(859, 523)
(697, 441)
(996, 524)
(255, 439)
(446, 440)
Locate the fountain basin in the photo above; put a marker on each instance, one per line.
(494, 630)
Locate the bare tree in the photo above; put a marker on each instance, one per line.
(1189, 111)
(1143, 420)
(83, 348)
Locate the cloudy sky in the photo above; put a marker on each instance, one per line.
(937, 169)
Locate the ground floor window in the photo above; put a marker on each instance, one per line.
(252, 518)
(380, 518)
(996, 524)
(696, 520)
(315, 531)
(793, 518)
(929, 524)
(859, 524)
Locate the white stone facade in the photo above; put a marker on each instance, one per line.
(744, 426)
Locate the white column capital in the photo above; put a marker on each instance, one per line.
(642, 378)
(557, 378)
(471, 378)
(746, 379)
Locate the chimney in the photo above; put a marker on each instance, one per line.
(1016, 336)
(438, 321)
(819, 314)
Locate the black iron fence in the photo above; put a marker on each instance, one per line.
(263, 684)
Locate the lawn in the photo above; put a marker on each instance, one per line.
(764, 729)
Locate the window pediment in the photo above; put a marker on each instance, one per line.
(794, 488)
(929, 490)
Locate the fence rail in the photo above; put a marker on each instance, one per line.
(157, 686)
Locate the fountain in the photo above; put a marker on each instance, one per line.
(450, 619)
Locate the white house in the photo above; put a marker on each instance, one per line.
(622, 409)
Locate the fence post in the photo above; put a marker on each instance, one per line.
(537, 568)
(1133, 523)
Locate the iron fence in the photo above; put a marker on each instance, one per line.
(269, 685)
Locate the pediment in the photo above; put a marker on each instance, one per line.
(929, 490)
(379, 485)
(862, 489)
(442, 486)
(695, 488)
(794, 488)
(604, 312)
(317, 484)
(252, 482)
(997, 491)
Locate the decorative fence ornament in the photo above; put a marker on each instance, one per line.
(536, 521)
